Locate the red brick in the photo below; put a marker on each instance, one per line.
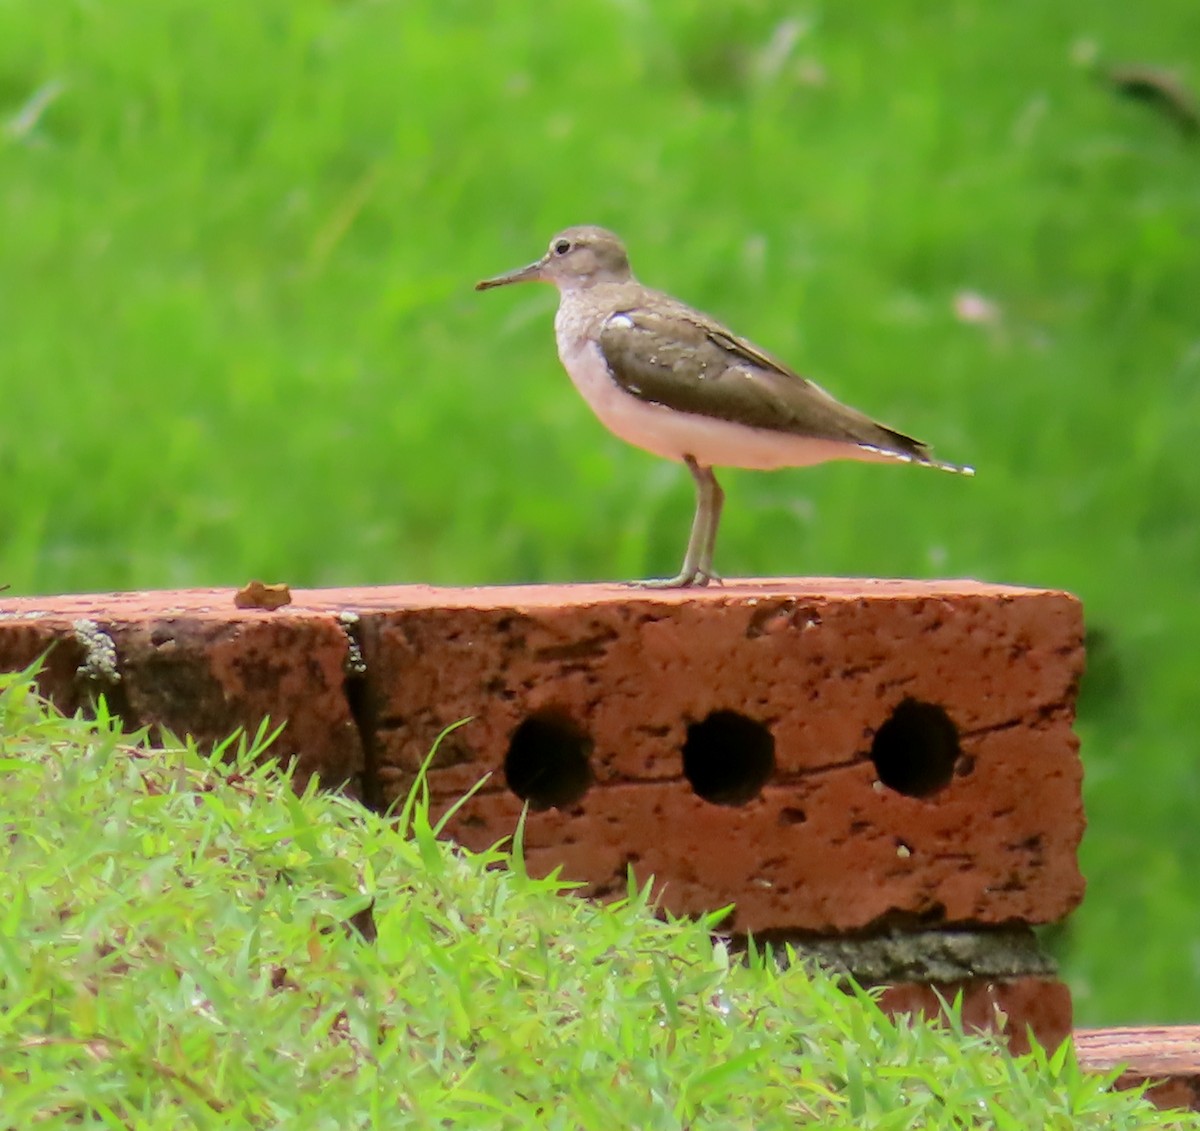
(821, 663)
(1167, 1055)
(193, 663)
(1011, 1007)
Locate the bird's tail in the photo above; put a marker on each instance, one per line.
(905, 448)
(944, 465)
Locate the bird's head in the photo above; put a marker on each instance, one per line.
(576, 259)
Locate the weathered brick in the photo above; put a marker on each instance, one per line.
(822, 665)
(1167, 1056)
(624, 677)
(1010, 1007)
(192, 663)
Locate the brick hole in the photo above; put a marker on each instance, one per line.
(547, 762)
(916, 749)
(728, 758)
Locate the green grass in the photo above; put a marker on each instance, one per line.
(238, 337)
(183, 943)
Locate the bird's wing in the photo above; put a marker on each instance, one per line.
(673, 357)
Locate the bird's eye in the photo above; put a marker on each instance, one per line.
(561, 247)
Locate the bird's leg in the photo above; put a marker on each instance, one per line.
(697, 561)
(716, 502)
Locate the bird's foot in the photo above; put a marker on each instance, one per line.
(688, 579)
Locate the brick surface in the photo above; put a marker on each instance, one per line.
(1169, 1056)
(1011, 1007)
(195, 664)
(822, 665)
(819, 666)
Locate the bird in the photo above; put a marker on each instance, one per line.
(674, 381)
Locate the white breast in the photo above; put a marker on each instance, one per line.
(673, 434)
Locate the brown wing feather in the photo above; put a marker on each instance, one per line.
(671, 357)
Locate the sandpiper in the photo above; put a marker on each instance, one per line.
(676, 382)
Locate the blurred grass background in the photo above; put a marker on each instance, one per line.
(238, 336)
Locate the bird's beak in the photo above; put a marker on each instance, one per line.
(521, 275)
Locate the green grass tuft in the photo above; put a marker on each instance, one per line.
(184, 942)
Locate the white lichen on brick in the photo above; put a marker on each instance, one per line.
(355, 663)
(100, 654)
